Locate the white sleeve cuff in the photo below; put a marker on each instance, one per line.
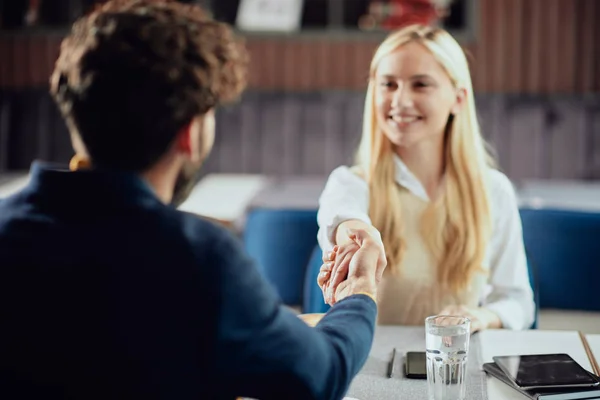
(326, 234)
(511, 314)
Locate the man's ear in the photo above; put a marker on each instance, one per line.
(184, 140)
(461, 98)
(195, 140)
(206, 134)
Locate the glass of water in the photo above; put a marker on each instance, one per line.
(447, 346)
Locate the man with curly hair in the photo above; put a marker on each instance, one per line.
(107, 291)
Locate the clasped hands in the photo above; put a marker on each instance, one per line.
(353, 267)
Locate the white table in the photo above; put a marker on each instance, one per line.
(594, 342)
(11, 183)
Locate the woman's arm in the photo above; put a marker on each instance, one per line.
(344, 201)
(343, 206)
(341, 232)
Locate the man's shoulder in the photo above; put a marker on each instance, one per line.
(205, 237)
(196, 226)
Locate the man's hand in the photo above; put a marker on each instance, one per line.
(337, 260)
(339, 271)
(357, 264)
(481, 318)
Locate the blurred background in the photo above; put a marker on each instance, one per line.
(536, 70)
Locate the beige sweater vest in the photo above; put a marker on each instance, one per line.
(413, 294)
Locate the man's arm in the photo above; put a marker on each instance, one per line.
(265, 351)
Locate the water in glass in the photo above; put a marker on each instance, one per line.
(447, 346)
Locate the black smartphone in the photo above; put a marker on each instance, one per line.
(415, 365)
(545, 371)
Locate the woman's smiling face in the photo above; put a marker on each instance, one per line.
(414, 96)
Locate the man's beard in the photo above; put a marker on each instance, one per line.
(186, 180)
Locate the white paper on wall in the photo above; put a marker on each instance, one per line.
(269, 15)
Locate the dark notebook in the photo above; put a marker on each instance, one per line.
(543, 394)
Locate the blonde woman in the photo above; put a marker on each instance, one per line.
(426, 187)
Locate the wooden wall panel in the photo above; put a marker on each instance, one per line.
(522, 46)
(551, 30)
(566, 16)
(596, 35)
(512, 45)
(532, 35)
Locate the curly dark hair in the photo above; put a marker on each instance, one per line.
(133, 73)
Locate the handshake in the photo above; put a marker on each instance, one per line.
(353, 267)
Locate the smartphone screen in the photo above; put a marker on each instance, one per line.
(416, 365)
(545, 370)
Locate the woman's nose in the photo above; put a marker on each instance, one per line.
(402, 96)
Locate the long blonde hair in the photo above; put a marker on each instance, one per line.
(457, 226)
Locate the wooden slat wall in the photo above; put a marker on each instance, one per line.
(27, 60)
(522, 46)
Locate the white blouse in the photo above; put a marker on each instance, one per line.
(407, 299)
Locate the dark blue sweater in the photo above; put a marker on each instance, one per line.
(105, 292)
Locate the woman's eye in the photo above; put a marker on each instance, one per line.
(388, 85)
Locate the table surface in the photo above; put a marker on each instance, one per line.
(372, 383)
(594, 341)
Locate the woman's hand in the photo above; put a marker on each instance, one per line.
(339, 271)
(481, 318)
(335, 269)
(326, 268)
